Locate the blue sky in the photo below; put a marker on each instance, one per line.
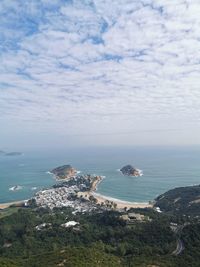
(99, 72)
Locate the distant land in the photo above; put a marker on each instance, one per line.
(10, 154)
(13, 154)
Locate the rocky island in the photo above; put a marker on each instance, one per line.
(64, 172)
(129, 170)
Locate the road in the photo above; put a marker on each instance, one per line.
(179, 248)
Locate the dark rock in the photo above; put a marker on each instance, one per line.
(129, 170)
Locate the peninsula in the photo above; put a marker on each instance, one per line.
(78, 192)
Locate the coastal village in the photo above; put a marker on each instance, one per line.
(68, 194)
(77, 192)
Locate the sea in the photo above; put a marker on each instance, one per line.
(164, 168)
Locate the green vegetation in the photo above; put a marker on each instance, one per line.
(76, 256)
(8, 263)
(39, 238)
(8, 211)
(63, 172)
(100, 239)
(182, 200)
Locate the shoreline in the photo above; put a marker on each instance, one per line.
(121, 204)
(101, 199)
(95, 183)
(8, 204)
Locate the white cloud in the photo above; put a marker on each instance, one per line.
(94, 68)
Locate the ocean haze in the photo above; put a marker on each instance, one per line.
(38, 140)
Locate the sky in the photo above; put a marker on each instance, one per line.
(99, 72)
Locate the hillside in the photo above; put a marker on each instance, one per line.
(182, 200)
(43, 237)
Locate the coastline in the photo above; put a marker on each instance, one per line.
(121, 204)
(8, 204)
(100, 199)
(96, 182)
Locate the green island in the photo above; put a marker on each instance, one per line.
(59, 226)
(64, 172)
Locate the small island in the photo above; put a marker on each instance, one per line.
(13, 154)
(3, 153)
(129, 170)
(64, 172)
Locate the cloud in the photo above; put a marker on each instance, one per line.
(87, 66)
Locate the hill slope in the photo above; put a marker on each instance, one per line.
(182, 200)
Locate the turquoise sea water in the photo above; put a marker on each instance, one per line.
(164, 168)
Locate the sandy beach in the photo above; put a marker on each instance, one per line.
(7, 205)
(103, 199)
(120, 203)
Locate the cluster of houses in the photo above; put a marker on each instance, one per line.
(63, 196)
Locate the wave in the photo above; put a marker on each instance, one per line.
(15, 188)
(48, 172)
(34, 188)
